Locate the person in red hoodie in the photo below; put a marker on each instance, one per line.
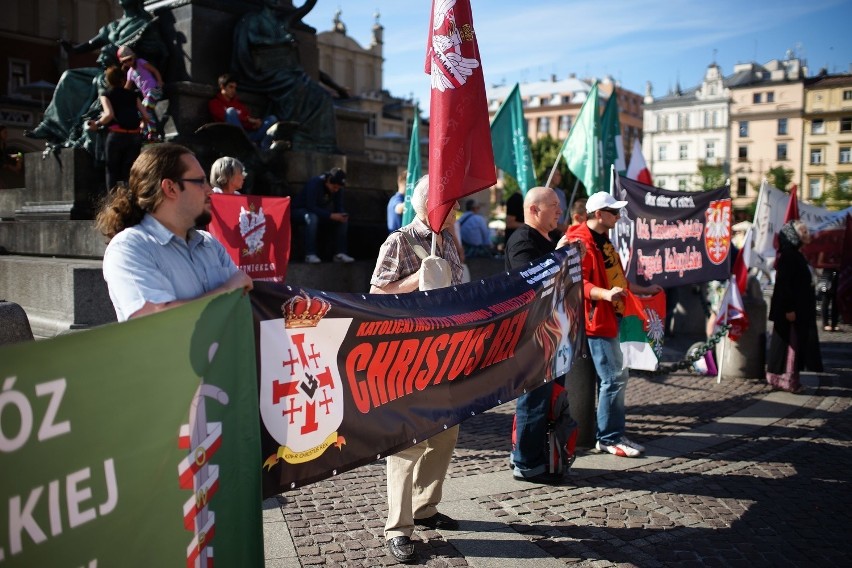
(226, 107)
(604, 288)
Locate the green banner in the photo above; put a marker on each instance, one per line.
(414, 168)
(509, 139)
(134, 444)
(613, 146)
(582, 149)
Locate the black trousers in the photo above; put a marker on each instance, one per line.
(122, 149)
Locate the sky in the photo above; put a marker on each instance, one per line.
(663, 41)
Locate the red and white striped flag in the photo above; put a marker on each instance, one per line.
(638, 169)
(732, 311)
(461, 160)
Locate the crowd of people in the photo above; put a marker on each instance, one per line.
(157, 258)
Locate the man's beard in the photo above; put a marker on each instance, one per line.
(203, 219)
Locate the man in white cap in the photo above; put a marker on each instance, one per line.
(604, 288)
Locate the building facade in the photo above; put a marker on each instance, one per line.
(388, 119)
(827, 144)
(766, 125)
(686, 129)
(31, 60)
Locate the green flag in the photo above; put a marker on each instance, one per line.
(582, 148)
(613, 147)
(509, 140)
(414, 168)
(134, 444)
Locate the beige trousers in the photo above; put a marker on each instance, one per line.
(416, 480)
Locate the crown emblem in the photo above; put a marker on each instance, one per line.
(304, 311)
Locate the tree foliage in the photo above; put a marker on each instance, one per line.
(780, 177)
(838, 192)
(712, 177)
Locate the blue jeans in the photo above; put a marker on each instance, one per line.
(529, 457)
(312, 222)
(612, 385)
(257, 136)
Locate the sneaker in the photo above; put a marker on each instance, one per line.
(632, 444)
(619, 449)
(313, 259)
(343, 257)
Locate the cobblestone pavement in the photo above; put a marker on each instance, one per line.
(778, 495)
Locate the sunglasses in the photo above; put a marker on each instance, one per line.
(616, 212)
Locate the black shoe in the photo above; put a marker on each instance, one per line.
(438, 521)
(543, 478)
(402, 549)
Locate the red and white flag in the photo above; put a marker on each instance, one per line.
(732, 311)
(638, 169)
(743, 262)
(461, 160)
(255, 231)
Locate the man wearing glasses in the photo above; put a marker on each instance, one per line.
(156, 259)
(604, 288)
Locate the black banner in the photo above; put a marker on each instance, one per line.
(672, 238)
(346, 379)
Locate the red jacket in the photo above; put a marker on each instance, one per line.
(600, 314)
(217, 107)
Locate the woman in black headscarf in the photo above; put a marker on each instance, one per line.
(794, 345)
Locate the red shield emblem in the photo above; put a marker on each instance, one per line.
(717, 230)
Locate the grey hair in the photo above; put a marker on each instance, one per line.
(224, 169)
(419, 197)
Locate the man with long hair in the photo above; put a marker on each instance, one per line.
(156, 259)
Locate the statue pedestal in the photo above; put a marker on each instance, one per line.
(66, 190)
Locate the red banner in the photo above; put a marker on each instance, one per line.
(461, 159)
(256, 232)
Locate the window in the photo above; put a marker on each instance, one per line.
(371, 125)
(770, 97)
(742, 153)
(781, 152)
(661, 153)
(681, 184)
(782, 126)
(818, 126)
(710, 150)
(683, 151)
(742, 185)
(743, 129)
(846, 124)
(755, 98)
(565, 122)
(682, 121)
(844, 183)
(845, 156)
(815, 187)
(543, 125)
(19, 74)
(847, 95)
(816, 155)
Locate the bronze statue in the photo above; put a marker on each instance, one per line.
(266, 57)
(76, 96)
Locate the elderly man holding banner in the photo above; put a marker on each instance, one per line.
(415, 476)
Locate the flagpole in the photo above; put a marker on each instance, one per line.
(556, 163)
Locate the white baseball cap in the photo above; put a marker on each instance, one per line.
(603, 200)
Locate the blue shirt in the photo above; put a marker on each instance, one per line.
(317, 199)
(394, 218)
(149, 263)
(474, 230)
